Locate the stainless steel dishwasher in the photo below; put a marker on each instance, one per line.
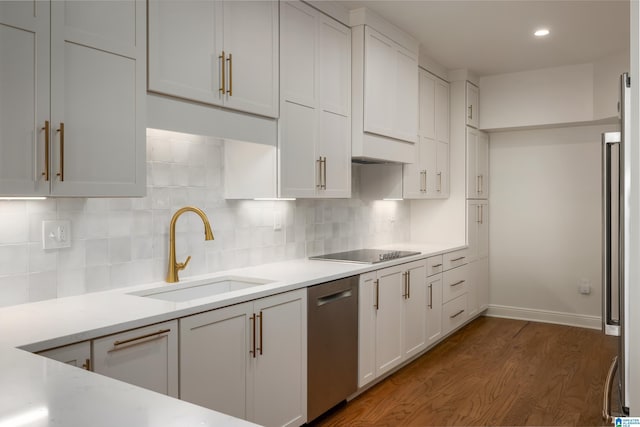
(332, 344)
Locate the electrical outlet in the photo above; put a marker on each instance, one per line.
(277, 220)
(584, 287)
(56, 234)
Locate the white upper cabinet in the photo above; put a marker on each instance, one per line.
(473, 104)
(477, 164)
(216, 52)
(390, 88)
(478, 229)
(428, 176)
(385, 91)
(85, 99)
(315, 123)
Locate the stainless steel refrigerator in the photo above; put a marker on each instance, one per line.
(615, 314)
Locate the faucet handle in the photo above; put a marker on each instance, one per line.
(183, 265)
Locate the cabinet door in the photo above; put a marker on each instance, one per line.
(415, 176)
(473, 219)
(299, 166)
(185, 45)
(335, 149)
(427, 105)
(481, 279)
(434, 309)
(473, 179)
(24, 97)
(415, 313)
(214, 359)
(98, 76)
(454, 314)
(78, 355)
(146, 357)
(367, 307)
(334, 67)
(483, 230)
(278, 387)
(389, 331)
(441, 111)
(482, 164)
(405, 106)
(379, 83)
(251, 48)
(472, 113)
(298, 59)
(442, 170)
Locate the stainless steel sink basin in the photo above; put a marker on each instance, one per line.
(201, 289)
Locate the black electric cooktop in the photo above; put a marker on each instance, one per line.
(365, 256)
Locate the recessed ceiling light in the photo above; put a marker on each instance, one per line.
(541, 32)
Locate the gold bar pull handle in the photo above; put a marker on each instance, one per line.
(481, 188)
(459, 282)
(456, 315)
(222, 73)
(324, 173)
(470, 112)
(230, 61)
(46, 150)
(439, 189)
(261, 324)
(404, 285)
(61, 131)
(377, 285)
(253, 336)
(408, 285)
(87, 364)
(430, 295)
(319, 176)
(139, 340)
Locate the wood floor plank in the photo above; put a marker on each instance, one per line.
(493, 372)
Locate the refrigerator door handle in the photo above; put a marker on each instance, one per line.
(607, 417)
(610, 325)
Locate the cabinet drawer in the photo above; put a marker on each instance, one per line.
(454, 313)
(454, 283)
(434, 265)
(454, 259)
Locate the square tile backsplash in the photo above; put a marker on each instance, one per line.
(119, 242)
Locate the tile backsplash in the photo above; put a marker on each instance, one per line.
(119, 242)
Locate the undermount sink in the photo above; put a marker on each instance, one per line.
(201, 289)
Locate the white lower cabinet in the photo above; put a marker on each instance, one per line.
(248, 360)
(78, 354)
(146, 357)
(434, 299)
(480, 272)
(392, 318)
(454, 313)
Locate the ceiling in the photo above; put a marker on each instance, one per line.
(494, 37)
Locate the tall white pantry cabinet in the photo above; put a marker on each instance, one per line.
(72, 104)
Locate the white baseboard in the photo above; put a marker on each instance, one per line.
(546, 316)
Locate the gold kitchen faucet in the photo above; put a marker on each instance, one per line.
(174, 267)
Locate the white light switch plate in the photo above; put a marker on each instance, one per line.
(56, 234)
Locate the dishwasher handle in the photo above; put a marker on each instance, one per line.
(333, 297)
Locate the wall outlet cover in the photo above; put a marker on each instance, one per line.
(56, 234)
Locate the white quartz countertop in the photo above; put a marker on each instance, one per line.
(65, 396)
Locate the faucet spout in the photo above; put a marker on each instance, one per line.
(174, 266)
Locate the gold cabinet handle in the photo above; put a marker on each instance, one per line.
(478, 214)
(408, 285)
(439, 189)
(481, 214)
(139, 340)
(430, 295)
(61, 131)
(404, 285)
(253, 336)
(456, 315)
(230, 61)
(470, 116)
(458, 259)
(87, 364)
(460, 282)
(46, 150)
(377, 285)
(324, 173)
(261, 324)
(222, 68)
(436, 265)
(319, 180)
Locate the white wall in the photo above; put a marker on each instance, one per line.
(122, 242)
(545, 224)
(552, 96)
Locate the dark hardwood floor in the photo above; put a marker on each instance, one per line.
(493, 372)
